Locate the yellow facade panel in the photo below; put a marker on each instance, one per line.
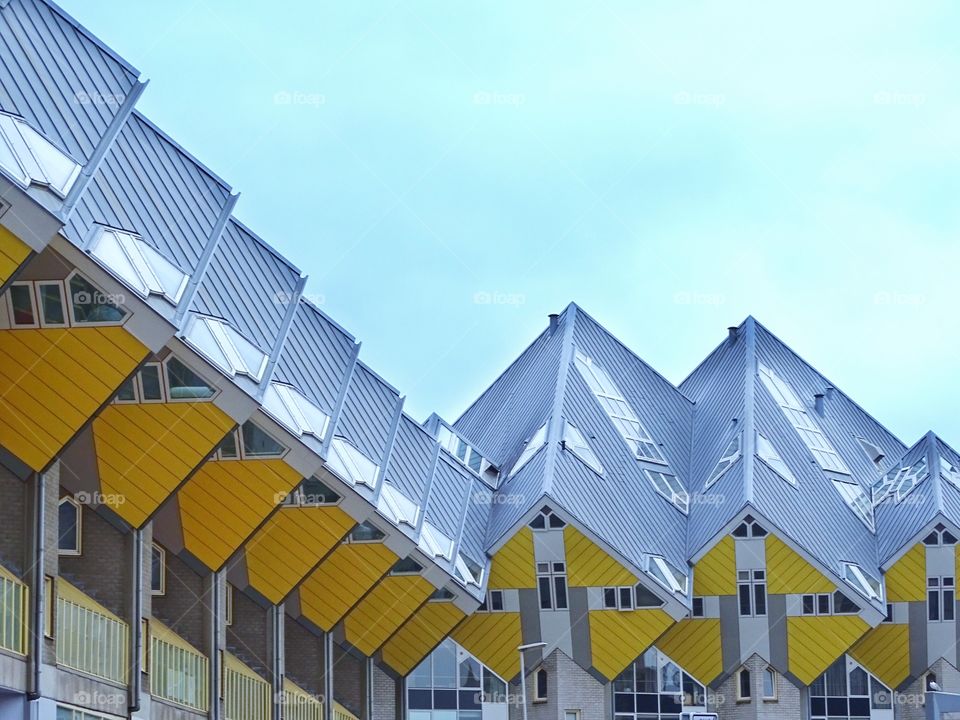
(513, 565)
(290, 544)
(694, 643)
(906, 581)
(618, 638)
(420, 634)
(493, 638)
(384, 610)
(13, 253)
(814, 643)
(716, 572)
(789, 573)
(589, 566)
(342, 579)
(885, 651)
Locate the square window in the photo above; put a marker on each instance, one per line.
(610, 598)
(23, 310)
(698, 607)
(496, 599)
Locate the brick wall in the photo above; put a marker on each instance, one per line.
(304, 657)
(248, 636)
(385, 690)
(14, 495)
(348, 680)
(569, 687)
(183, 606)
(910, 701)
(787, 706)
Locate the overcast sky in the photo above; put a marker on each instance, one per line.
(450, 173)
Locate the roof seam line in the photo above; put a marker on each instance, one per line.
(554, 430)
(749, 392)
(293, 301)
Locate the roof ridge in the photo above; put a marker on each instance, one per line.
(82, 29)
(554, 430)
(749, 402)
(166, 137)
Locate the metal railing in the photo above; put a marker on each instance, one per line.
(341, 713)
(89, 639)
(178, 673)
(298, 704)
(246, 695)
(13, 614)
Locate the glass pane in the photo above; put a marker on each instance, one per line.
(445, 666)
(560, 585)
(150, 382)
(256, 443)
(185, 383)
(420, 677)
(469, 673)
(91, 305)
(51, 304)
(760, 599)
(21, 296)
(544, 586)
(365, 532)
(494, 689)
(858, 681)
(127, 392)
(745, 609)
(68, 527)
(314, 492)
(156, 570)
(670, 678)
(228, 448)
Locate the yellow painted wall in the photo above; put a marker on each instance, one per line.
(716, 572)
(589, 566)
(493, 638)
(694, 643)
(885, 651)
(513, 565)
(13, 252)
(906, 580)
(145, 451)
(618, 638)
(420, 634)
(788, 572)
(381, 613)
(225, 501)
(290, 544)
(342, 579)
(814, 643)
(55, 380)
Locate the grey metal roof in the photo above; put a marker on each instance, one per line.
(368, 412)
(59, 77)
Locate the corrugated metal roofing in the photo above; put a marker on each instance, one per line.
(898, 522)
(473, 538)
(368, 412)
(58, 77)
(448, 492)
(412, 459)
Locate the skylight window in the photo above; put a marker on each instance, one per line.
(463, 451)
(143, 268)
(294, 411)
(900, 481)
(351, 464)
(32, 159)
(863, 583)
(227, 348)
(576, 443)
(435, 542)
(730, 456)
(767, 453)
(950, 472)
(857, 500)
(536, 442)
(397, 506)
(618, 410)
(797, 415)
(872, 450)
(667, 575)
(669, 486)
(469, 571)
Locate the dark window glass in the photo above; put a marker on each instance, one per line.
(496, 600)
(69, 525)
(543, 584)
(626, 598)
(889, 615)
(470, 673)
(948, 604)
(823, 604)
(948, 538)
(470, 700)
(420, 699)
(365, 532)
(859, 707)
(623, 703)
(646, 598)
(445, 699)
(21, 297)
(560, 585)
(610, 597)
(556, 522)
(538, 523)
(757, 531)
(932, 539)
(741, 531)
(475, 461)
(541, 683)
(127, 393)
(185, 383)
(933, 604)
(406, 566)
(90, 305)
(808, 605)
(698, 607)
(745, 609)
(228, 448)
(744, 680)
(150, 383)
(647, 704)
(51, 304)
(156, 570)
(256, 443)
(843, 604)
(760, 599)
(314, 492)
(670, 704)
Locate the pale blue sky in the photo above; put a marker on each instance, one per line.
(670, 168)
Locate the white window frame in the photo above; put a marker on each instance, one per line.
(71, 315)
(552, 574)
(678, 497)
(141, 395)
(537, 441)
(537, 697)
(772, 458)
(944, 584)
(857, 500)
(488, 602)
(79, 533)
(346, 465)
(397, 506)
(154, 548)
(165, 378)
(466, 574)
(576, 443)
(295, 406)
(740, 696)
(669, 579)
(40, 315)
(769, 672)
(727, 461)
(796, 413)
(430, 540)
(142, 259)
(753, 583)
(221, 333)
(863, 583)
(33, 305)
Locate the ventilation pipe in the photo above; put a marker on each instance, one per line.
(818, 403)
(554, 321)
(732, 334)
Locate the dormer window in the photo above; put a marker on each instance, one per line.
(546, 519)
(667, 575)
(575, 442)
(468, 570)
(865, 584)
(435, 542)
(136, 262)
(730, 456)
(900, 481)
(249, 442)
(397, 506)
(536, 442)
(463, 451)
(32, 159)
(226, 348)
(294, 411)
(769, 455)
(856, 500)
(350, 464)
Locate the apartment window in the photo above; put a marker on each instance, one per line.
(547, 520)
(769, 677)
(752, 591)
(257, 444)
(749, 528)
(493, 602)
(184, 384)
(888, 618)
(22, 305)
(352, 465)
(295, 411)
(552, 585)
(929, 682)
(697, 610)
(365, 533)
(468, 570)
(91, 306)
(666, 574)
(575, 442)
(70, 518)
(769, 455)
(406, 566)
(669, 486)
(52, 304)
(856, 500)
(397, 506)
(151, 387)
(846, 690)
(312, 493)
(442, 595)
(652, 687)
(530, 449)
(744, 691)
(158, 570)
(450, 679)
(940, 599)
(571, 715)
(140, 265)
(940, 537)
(227, 348)
(37, 304)
(900, 481)
(228, 605)
(540, 686)
(32, 159)
(865, 584)
(730, 456)
(435, 542)
(835, 603)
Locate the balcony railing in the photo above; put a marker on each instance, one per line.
(178, 672)
(298, 704)
(246, 695)
(13, 613)
(341, 713)
(89, 638)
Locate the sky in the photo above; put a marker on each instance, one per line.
(448, 174)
